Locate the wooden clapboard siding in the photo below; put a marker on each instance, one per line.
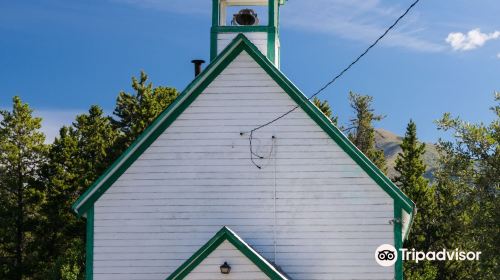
(259, 39)
(241, 267)
(328, 218)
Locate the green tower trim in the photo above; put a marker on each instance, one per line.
(271, 29)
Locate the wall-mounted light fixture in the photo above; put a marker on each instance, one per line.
(225, 268)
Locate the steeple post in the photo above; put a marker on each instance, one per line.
(258, 20)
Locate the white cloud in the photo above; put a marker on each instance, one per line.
(175, 6)
(358, 20)
(498, 55)
(472, 40)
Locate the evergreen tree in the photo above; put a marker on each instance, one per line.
(324, 106)
(22, 153)
(409, 163)
(411, 168)
(361, 131)
(136, 111)
(77, 157)
(468, 188)
(96, 140)
(51, 239)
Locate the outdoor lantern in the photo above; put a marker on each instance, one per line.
(225, 268)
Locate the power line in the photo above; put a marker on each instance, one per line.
(252, 153)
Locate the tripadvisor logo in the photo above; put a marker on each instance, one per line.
(387, 255)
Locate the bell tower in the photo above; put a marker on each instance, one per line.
(258, 20)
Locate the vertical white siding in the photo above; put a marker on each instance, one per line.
(259, 39)
(241, 267)
(327, 219)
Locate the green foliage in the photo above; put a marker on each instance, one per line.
(467, 195)
(70, 272)
(69, 264)
(69, 173)
(22, 153)
(80, 154)
(40, 238)
(410, 164)
(96, 138)
(411, 169)
(361, 131)
(136, 111)
(324, 106)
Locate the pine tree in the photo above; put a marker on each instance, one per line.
(22, 153)
(409, 163)
(136, 111)
(411, 168)
(468, 187)
(80, 154)
(324, 106)
(361, 131)
(96, 141)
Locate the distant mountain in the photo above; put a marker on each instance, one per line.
(390, 143)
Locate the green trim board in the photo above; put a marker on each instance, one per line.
(398, 240)
(213, 33)
(271, 45)
(271, 7)
(215, 12)
(89, 197)
(89, 245)
(271, 34)
(258, 28)
(213, 45)
(272, 37)
(271, 28)
(238, 45)
(329, 128)
(222, 235)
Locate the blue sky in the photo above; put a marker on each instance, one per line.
(62, 56)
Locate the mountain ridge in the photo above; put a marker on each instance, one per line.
(390, 143)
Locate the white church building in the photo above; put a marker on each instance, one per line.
(197, 197)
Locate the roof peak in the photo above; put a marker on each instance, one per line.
(239, 44)
(226, 234)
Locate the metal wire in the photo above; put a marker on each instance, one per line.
(341, 73)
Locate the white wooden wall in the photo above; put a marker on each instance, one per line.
(328, 218)
(259, 39)
(241, 267)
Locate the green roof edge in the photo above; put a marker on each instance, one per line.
(153, 130)
(226, 234)
(239, 44)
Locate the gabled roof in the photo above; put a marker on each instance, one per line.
(167, 117)
(227, 234)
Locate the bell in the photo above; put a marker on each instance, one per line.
(245, 17)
